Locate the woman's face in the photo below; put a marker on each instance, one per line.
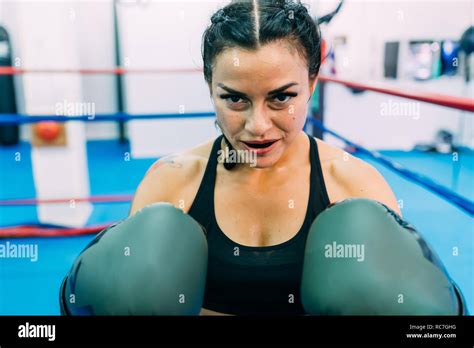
(261, 96)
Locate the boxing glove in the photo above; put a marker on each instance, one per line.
(361, 258)
(152, 263)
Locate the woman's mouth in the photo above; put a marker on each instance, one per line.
(260, 147)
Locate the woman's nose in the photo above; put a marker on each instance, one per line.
(258, 123)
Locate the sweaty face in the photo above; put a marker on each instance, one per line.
(261, 98)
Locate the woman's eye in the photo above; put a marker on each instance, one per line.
(233, 99)
(279, 98)
(284, 97)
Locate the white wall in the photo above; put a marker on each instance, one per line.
(95, 37)
(165, 35)
(361, 117)
(367, 25)
(43, 37)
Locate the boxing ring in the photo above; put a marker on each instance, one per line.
(440, 195)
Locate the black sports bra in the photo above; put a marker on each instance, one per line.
(246, 280)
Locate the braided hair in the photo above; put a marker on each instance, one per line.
(250, 24)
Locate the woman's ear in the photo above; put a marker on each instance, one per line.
(313, 81)
(210, 89)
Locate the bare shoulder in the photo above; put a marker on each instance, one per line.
(174, 178)
(328, 152)
(348, 176)
(341, 164)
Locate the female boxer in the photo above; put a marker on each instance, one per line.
(248, 223)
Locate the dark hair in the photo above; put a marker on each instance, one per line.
(250, 24)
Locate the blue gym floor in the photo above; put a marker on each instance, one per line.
(31, 288)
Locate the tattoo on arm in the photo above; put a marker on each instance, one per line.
(166, 161)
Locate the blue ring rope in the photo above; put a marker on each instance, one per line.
(422, 180)
(121, 116)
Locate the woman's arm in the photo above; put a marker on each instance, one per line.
(170, 179)
(359, 179)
